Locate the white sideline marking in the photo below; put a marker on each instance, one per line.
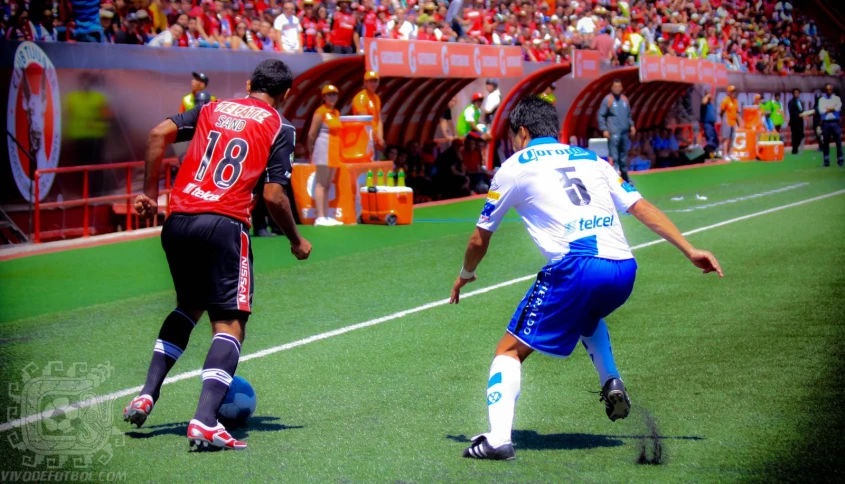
(738, 199)
(317, 337)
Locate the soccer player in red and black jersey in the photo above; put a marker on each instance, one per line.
(206, 238)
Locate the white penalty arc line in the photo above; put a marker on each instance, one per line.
(738, 199)
(12, 424)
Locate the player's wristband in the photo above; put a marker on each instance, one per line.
(465, 274)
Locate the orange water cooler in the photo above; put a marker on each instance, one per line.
(387, 205)
(770, 150)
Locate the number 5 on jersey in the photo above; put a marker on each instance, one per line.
(233, 156)
(575, 188)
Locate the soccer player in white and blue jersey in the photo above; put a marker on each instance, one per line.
(570, 201)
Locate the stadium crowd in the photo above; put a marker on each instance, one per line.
(766, 36)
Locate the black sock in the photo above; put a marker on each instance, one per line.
(217, 372)
(172, 341)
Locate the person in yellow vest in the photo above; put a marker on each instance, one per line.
(653, 49)
(87, 120)
(548, 94)
(637, 41)
(325, 121)
(367, 102)
(199, 82)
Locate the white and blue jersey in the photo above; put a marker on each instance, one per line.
(570, 200)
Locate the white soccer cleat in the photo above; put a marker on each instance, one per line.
(322, 222)
(138, 410)
(334, 221)
(200, 435)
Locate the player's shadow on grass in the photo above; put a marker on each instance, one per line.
(531, 440)
(255, 424)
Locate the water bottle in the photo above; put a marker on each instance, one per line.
(380, 179)
(390, 180)
(401, 181)
(370, 182)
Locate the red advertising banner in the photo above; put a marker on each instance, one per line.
(416, 58)
(585, 64)
(680, 69)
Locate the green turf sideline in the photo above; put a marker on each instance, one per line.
(259, 354)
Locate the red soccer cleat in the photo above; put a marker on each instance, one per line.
(138, 410)
(200, 435)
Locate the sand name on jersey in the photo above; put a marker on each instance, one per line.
(239, 111)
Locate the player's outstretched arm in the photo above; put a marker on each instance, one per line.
(653, 218)
(479, 241)
(146, 204)
(279, 207)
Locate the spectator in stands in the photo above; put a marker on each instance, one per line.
(109, 28)
(708, 122)
(470, 118)
(310, 28)
(86, 19)
(196, 37)
(324, 121)
(604, 43)
(131, 34)
(20, 28)
(43, 29)
(491, 103)
(288, 24)
(368, 103)
(168, 38)
(240, 40)
(343, 29)
(399, 28)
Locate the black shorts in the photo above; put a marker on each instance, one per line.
(210, 260)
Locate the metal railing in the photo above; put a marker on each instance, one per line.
(86, 201)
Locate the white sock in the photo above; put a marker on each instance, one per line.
(502, 392)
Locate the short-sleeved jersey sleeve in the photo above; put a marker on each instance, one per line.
(281, 156)
(624, 194)
(503, 195)
(186, 123)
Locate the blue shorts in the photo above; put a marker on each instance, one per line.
(568, 299)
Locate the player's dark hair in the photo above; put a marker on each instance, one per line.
(271, 77)
(537, 116)
(617, 81)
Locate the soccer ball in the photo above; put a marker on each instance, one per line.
(239, 403)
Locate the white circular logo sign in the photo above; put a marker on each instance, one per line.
(412, 57)
(444, 59)
(33, 118)
(476, 61)
(373, 54)
(503, 67)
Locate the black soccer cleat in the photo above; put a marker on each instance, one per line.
(481, 449)
(615, 398)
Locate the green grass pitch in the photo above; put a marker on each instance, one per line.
(742, 377)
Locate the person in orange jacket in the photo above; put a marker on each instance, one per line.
(367, 102)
